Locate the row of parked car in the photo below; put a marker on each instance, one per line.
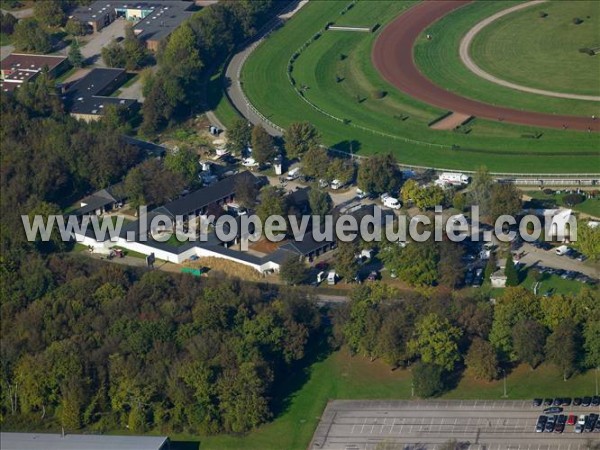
(556, 423)
(567, 401)
(567, 274)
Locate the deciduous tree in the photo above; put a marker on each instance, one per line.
(262, 145)
(436, 341)
(482, 360)
(299, 137)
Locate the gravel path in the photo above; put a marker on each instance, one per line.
(473, 67)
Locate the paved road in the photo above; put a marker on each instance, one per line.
(473, 67)
(393, 57)
(232, 75)
(93, 47)
(21, 13)
(6, 50)
(490, 425)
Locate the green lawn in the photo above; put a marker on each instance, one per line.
(5, 39)
(522, 45)
(218, 101)
(553, 284)
(335, 74)
(588, 206)
(438, 59)
(339, 376)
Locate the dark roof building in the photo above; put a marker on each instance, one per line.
(102, 201)
(197, 202)
(19, 68)
(30, 63)
(88, 96)
(154, 19)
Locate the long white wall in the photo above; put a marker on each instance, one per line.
(104, 247)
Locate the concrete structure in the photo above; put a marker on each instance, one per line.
(47, 441)
(154, 20)
(88, 96)
(19, 68)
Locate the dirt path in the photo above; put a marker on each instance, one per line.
(393, 57)
(465, 45)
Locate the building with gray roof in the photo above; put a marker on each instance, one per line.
(47, 441)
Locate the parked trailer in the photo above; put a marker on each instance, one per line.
(454, 178)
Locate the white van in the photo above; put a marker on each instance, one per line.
(293, 174)
(320, 277)
(331, 277)
(562, 250)
(336, 184)
(391, 202)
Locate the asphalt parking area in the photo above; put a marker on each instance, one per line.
(477, 425)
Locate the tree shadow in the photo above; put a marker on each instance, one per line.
(350, 147)
(286, 388)
(215, 91)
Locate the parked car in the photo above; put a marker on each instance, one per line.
(336, 184)
(550, 424)
(548, 401)
(586, 401)
(557, 402)
(373, 276)
(572, 420)
(566, 401)
(537, 402)
(577, 401)
(553, 410)
(590, 422)
(360, 194)
(582, 419)
(541, 424)
(595, 400)
(391, 202)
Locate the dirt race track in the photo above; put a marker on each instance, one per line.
(393, 57)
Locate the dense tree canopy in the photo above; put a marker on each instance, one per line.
(379, 174)
(168, 352)
(300, 137)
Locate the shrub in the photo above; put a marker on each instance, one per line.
(548, 191)
(573, 199)
(342, 57)
(577, 21)
(378, 94)
(428, 380)
(543, 14)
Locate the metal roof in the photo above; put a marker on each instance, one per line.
(47, 441)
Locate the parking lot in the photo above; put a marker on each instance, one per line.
(476, 424)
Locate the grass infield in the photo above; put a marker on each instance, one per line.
(521, 48)
(335, 73)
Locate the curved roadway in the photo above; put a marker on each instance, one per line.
(393, 57)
